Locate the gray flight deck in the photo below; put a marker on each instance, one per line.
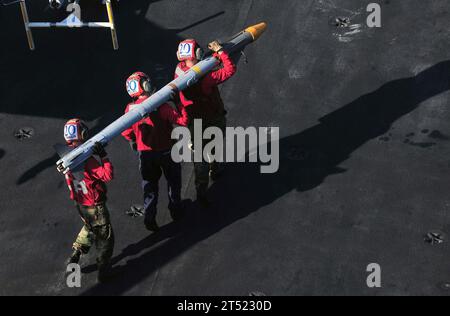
(364, 119)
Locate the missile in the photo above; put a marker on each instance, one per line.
(74, 159)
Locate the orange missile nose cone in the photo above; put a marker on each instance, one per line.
(256, 30)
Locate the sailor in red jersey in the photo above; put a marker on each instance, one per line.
(203, 101)
(88, 191)
(151, 138)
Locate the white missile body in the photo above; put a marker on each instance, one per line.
(76, 157)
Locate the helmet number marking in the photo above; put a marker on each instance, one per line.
(132, 86)
(71, 132)
(185, 50)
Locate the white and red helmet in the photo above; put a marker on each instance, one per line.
(75, 131)
(189, 50)
(138, 83)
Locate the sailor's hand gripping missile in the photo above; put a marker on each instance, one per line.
(99, 150)
(215, 46)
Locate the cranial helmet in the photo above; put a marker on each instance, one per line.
(189, 50)
(138, 84)
(75, 131)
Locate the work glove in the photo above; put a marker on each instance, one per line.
(98, 150)
(133, 145)
(215, 46)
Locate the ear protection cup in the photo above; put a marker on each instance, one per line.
(146, 85)
(84, 134)
(199, 53)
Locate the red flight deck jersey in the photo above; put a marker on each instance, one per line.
(91, 190)
(203, 98)
(153, 132)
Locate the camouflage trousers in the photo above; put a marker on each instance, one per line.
(202, 170)
(97, 230)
